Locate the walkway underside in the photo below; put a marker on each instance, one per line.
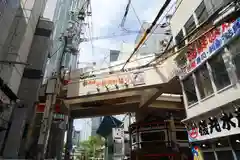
(117, 102)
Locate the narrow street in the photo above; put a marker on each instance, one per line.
(120, 79)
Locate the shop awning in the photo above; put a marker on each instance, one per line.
(107, 124)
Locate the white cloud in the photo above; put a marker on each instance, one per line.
(106, 17)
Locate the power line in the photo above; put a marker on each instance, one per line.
(183, 40)
(171, 36)
(125, 14)
(55, 51)
(91, 30)
(139, 21)
(120, 64)
(193, 32)
(115, 36)
(148, 31)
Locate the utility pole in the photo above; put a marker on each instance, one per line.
(52, 89)
(68, 147)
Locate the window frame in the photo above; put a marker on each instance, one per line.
(199, 11)
(188, 24)
(220, 54)
(178, 39)
(185, 92)
(198, 81)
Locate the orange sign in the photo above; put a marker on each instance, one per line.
(104, 82)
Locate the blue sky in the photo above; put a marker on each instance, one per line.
(106, 18)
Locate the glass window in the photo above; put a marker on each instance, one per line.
(190, 25)
(223, 155)
(190, 91)
(201, 13)
(203, 81)
(181, 135)
(234, 48)
(179, 38)
(220, 74)
(208, 155)
(114, 54)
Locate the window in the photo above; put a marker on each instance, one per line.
(182, 135)
(134, 139)
(179, 38)
(203, 81)
(219, 71)
(190, 25)
(152, 136)
(201, 13)
(235, 51)
(209, 155)
(223, 155)
(190, 91)
(114, 54)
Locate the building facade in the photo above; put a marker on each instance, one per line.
(23, 25)
(63, 16)
(33, 37)
(207, 38)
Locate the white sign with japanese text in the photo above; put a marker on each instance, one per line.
(195, 135)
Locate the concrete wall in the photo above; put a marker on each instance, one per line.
(183, 13)
(153, 43)
(7, 11)
(212, 5)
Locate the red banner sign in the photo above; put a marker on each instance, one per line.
(209, 43)
(41, 106)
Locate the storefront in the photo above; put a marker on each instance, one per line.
(211, 83)
(227, 148)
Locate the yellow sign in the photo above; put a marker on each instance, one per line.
(197, 154)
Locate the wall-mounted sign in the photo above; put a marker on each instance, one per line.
(137, 78)
(41, 106)
(197, 154)
(107, 81)
(210, 44)
(228, 124)
(58, 117)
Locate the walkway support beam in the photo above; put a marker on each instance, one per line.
(148, 96)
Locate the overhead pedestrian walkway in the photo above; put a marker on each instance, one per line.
(119, 92)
